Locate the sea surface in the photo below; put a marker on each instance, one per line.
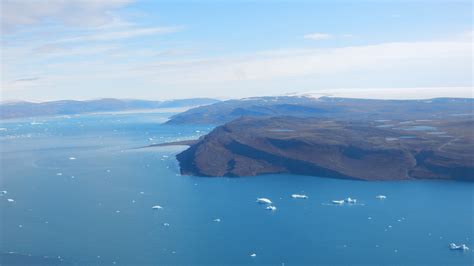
(83, 189)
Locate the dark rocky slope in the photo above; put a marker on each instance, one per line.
(368, 150)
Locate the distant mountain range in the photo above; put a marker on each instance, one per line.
(71, 107)
(324, 107)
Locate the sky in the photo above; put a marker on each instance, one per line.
(88, 49)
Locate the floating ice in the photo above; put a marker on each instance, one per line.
(59, 174)
(381, 197)
(299, 196)
(453, 246)
(166, 224)
(339, 202)
(3, 192)
(349, 200)
(253, 255)
(264, 201)
(271, 208)
(157, 207)
(10, 200)
(217, 220)
(72, 158)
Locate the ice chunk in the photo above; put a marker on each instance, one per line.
(352, 201)
(264, 201)
(299, 196)
(271, 208)
(453, 246)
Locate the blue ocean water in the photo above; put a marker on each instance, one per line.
(83, 192)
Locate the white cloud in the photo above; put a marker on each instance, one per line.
(317, 36)
(17, 13)
(301, 62)
(118, 35)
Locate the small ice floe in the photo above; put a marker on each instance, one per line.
(59, 174)
(453, 246)
(264, 201)
(108, 170)
(352, 201)
(10, 200)
(141, 192)
(3, 192)
(117, 211)
(338, 202)
(381, 197)
(72, 158)
(157, 207)
(271, 208)
(166, 224)
(217, 220)
(165, 156)
(299, 196)
(253, 255)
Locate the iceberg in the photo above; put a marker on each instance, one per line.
(349, 200)
(299, 196)
(253, 255)
(157, 207)
(264, 201)
(338, 202)
(453, 246)
(271, 208)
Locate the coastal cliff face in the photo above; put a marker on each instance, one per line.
(376, 150)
